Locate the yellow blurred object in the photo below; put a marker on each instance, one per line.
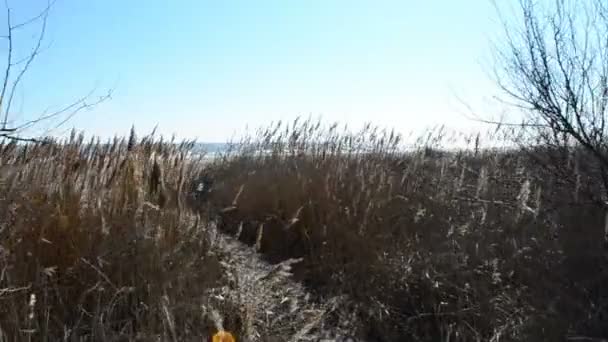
(223, 336)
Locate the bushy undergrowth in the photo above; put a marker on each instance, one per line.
(96, 243)
(428, 245)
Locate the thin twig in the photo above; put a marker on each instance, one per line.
(9, 58)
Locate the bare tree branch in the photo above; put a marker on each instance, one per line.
(556, 65)
(43, 14)
(29, 61)
(11, 82)
(16, 138)
(9, 61)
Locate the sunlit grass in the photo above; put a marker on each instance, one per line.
(431, 245)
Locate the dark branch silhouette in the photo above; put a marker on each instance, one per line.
(13, 76)
(554, 67)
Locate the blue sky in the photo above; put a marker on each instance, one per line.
(206, 69)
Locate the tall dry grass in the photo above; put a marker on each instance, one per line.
(428, 245)
(96, 243)
(114, 241)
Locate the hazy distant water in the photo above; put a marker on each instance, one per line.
(211, 150)
(212, 147)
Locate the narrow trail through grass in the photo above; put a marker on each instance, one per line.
(271, 290)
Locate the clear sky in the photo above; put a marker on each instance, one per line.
(207, 69)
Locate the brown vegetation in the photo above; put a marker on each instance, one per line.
(94, 243)
(430, 246)
(101, 242)
(115, 241)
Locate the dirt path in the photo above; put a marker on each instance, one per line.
(277, 307)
